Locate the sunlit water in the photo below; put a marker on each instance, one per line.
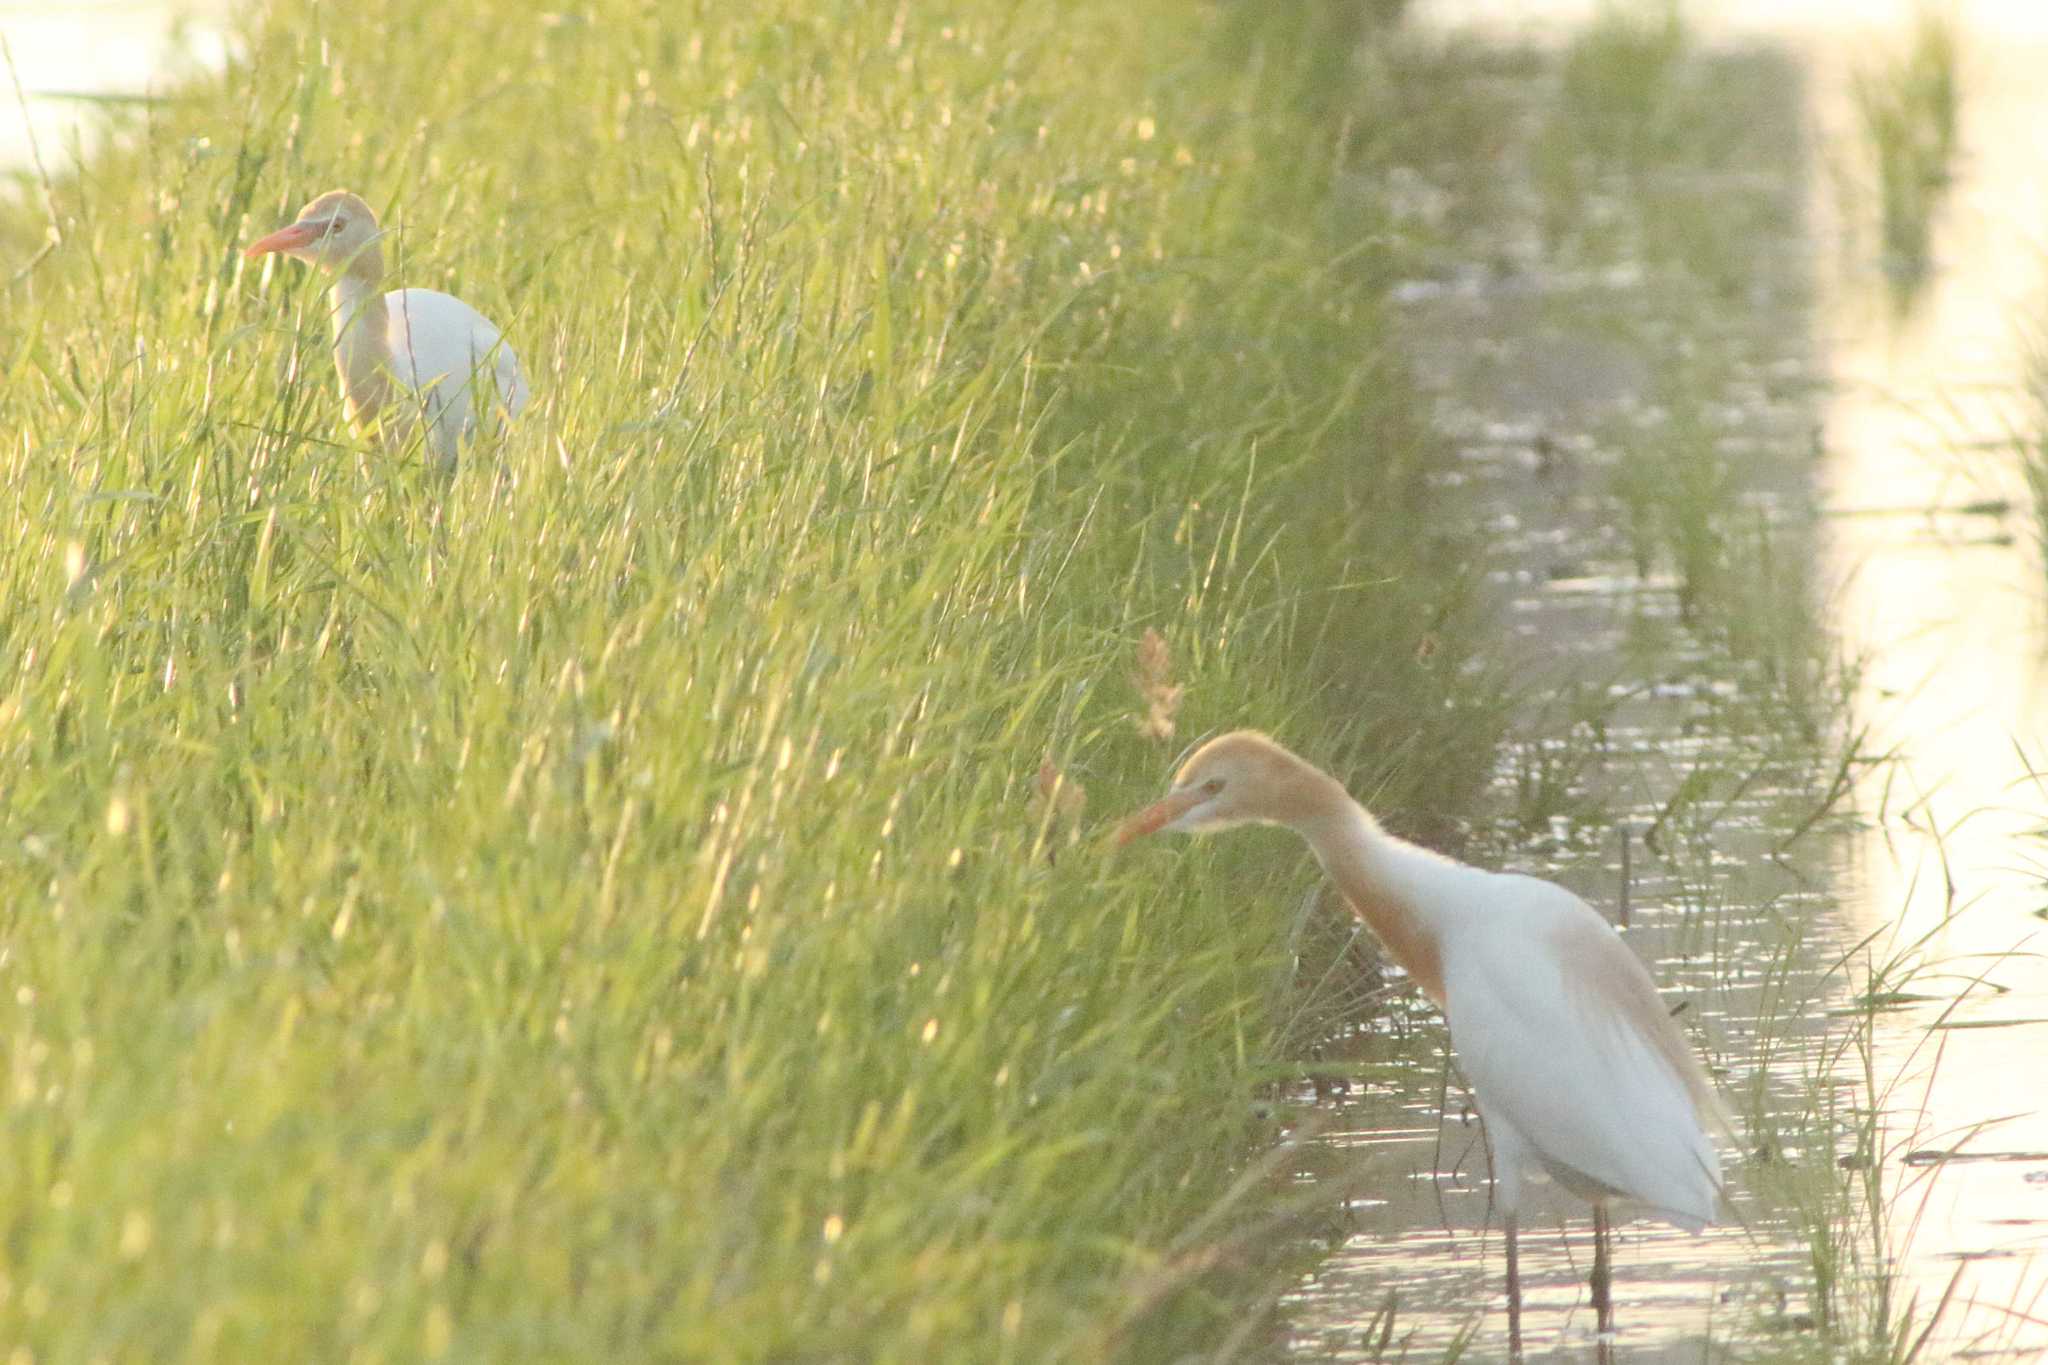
(1944, 607)
(1950, 609)
(74, 57)
(1947, 608)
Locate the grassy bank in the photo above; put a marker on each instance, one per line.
(603, 907)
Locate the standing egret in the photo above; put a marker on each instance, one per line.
(1580, 1073)
(413, 353)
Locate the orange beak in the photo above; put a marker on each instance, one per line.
(1158, 815)
(284, 239)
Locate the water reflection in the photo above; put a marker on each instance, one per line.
(1942, 596)
(71, 54)
(1541, 355)
(1932, 582)
(1950, 607)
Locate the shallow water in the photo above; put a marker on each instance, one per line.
(1945, 607)
(73, 55)
(1824, 394)
(1950, 609)
(1537, 369)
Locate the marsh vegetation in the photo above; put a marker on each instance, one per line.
(640, 896)
(1907, 107)
(605, 904)
(1620, 324)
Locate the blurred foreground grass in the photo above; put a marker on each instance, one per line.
(602, 908)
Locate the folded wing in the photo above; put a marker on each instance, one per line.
(453, 364)
(1565, 1040)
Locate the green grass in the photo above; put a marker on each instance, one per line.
(2029, 428)
(1684, 165)
(1837, 1171)
(598, 907)
(1617, 78)
(1907, 105)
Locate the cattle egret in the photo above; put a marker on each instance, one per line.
(409, 354)
(1580, 1073)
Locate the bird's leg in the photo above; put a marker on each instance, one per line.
(1514, 1291)
(1603, 1272)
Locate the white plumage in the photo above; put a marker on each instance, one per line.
(1580, 1073)
(1550, 1021)
(412, 360)
(450, 364)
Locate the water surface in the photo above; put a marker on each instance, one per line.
(76, 59)
(1869, 435)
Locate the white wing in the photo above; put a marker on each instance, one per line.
(1575, 1061)
(452, 363)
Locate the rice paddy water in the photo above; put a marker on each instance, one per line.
(1777, 620)
(1876, 986)
(74, 58)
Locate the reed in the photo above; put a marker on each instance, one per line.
(605, 905)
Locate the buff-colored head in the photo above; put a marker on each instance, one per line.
(1235, 779)
(336, 232)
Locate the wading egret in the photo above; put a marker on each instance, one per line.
(409, 355)
(1580, 1073)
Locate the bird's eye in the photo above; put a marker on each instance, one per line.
(1212, 786)
(338, 225)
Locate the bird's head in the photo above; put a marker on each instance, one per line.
(1235, 779)
(336, 232)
